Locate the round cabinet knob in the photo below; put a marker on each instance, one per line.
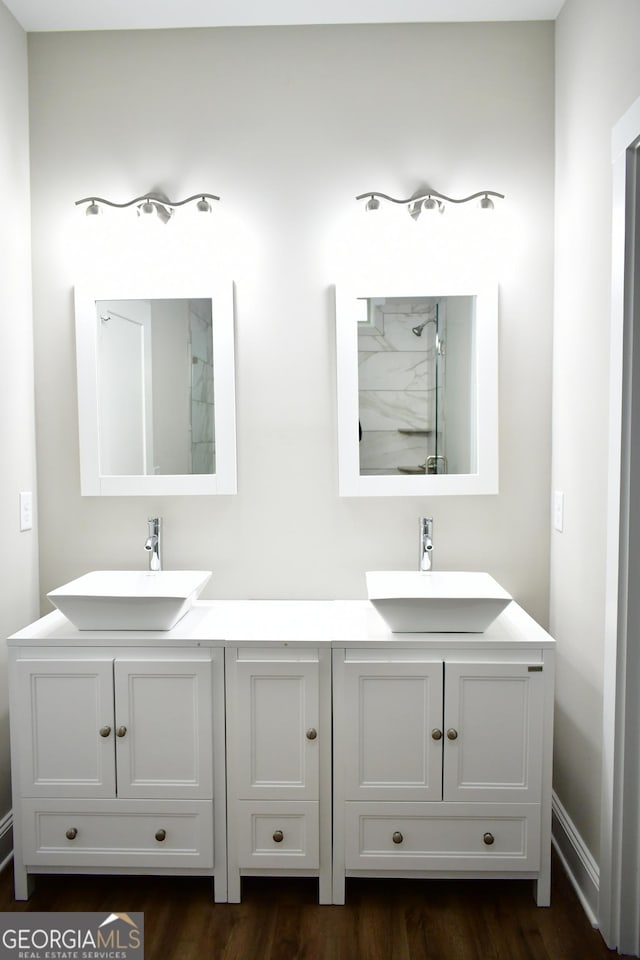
(397, 837)
(452, 734)
(121, 732)
(488, 838)
(161, 835)
(436, 734)
(312, 733)
(105, 731)
(278, 836)
(71, 833)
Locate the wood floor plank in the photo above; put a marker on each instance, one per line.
(280, 919)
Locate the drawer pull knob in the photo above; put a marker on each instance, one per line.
(105, 731)
(312, 733)
(397, 837)
(71, 833)
(488, 838)
(161, 835)
(436, 734)
(121, 732)
(452, 734)
(278, 836)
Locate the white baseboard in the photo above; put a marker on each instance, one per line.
(581, 868)
(6, 839)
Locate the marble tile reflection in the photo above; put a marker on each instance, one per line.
(201, 329)
(389, 450)
(394, 330)
(202, 422)
(203, 458)
(201, 381)
(396, 409)
(393, 371)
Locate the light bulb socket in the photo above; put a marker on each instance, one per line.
(373, 203)
(93, 209)
(203, 205)
(150, 207)
(486, 203)
(431, 205)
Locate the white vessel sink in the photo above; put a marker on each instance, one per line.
(436, 602)
(129, 599)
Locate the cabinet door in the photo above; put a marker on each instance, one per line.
(276, 743)
(65, 726)
(493, 732)
(163, 725)
(393, 730)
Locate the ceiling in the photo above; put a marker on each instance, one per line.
(38, 15)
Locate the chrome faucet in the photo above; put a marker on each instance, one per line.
(426, 544)
(152, 544)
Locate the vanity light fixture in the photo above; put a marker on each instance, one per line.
(430, 201)
(149, 204)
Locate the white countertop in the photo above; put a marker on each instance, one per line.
(336, 623)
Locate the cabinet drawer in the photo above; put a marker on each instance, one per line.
(118, 833)
(278, 834)
(442, 836)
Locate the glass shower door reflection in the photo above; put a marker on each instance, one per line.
(400, 380)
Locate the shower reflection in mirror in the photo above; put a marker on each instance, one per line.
(416, 386)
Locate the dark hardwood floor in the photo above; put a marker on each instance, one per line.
(383, 920)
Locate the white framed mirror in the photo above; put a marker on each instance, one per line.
(156, 388)
(417, 383)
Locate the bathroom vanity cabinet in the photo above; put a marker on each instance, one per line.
(279, 757)
(283, 738)
(117, 757)
(441, 762)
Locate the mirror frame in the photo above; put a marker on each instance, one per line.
(92, 482)
(348, 298)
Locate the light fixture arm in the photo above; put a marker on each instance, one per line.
(430, 193)
(153, 197)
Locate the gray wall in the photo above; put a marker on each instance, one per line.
(18, 554)
(288, 124)
(597, 80)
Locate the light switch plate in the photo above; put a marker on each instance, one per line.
(558, 510)
(26, 510)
